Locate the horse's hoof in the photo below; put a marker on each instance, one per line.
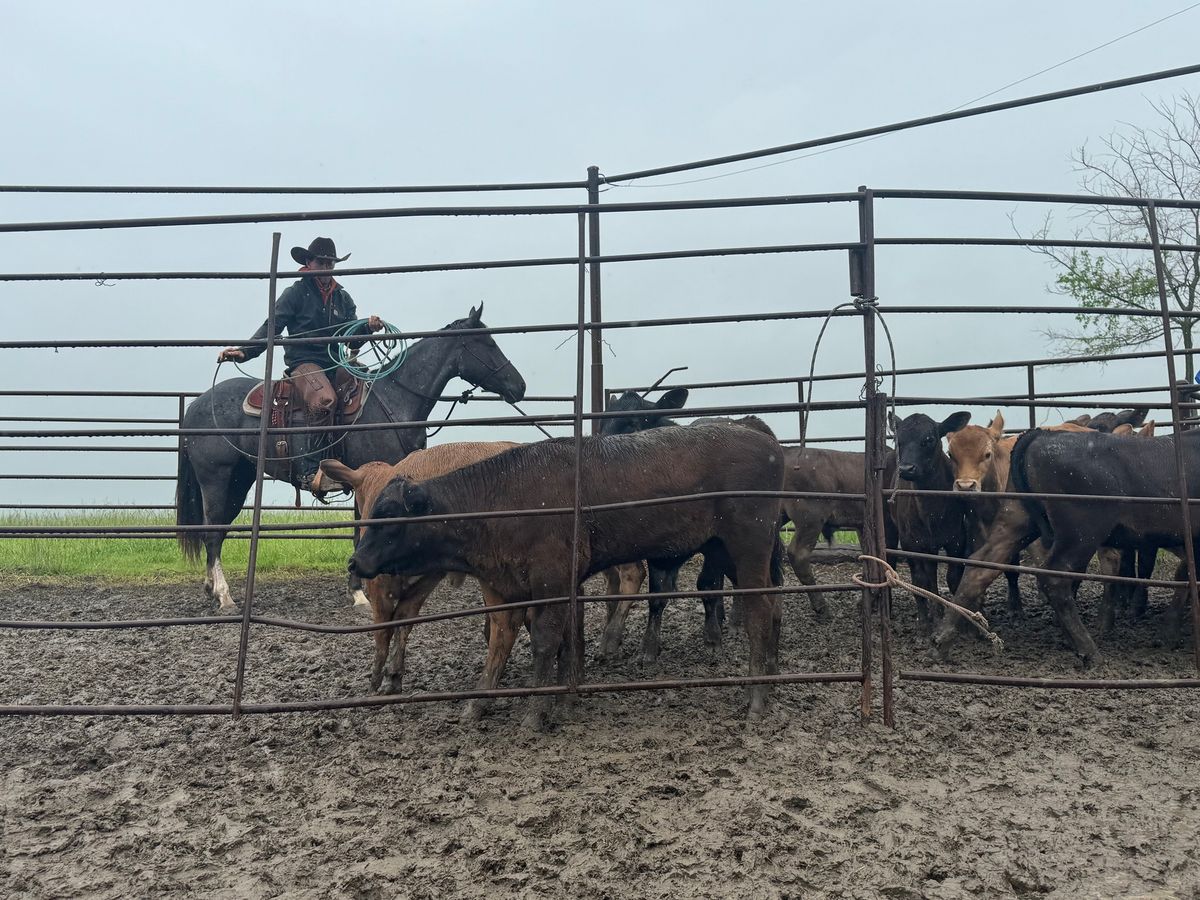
(390, 684)
(227, 609)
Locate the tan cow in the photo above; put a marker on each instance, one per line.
(398, 597)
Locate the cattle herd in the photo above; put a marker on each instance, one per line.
(641, 455)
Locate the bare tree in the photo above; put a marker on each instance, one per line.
(1160, 162)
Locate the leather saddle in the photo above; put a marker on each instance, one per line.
(351, 393)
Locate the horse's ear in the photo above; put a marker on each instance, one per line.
(673, 399)
(473, 318)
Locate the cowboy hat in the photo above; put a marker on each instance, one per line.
(320, 248)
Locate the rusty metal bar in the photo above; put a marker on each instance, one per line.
(259, 475)
(574, 612)
(1033, 570)
(1180, 463)
(361, 189)
(209, 709)
(907, 124)
(922, 370)
(595, 312)
(319, 628)
(1116, 684)
(1032, 396)
(417, 212)
(862, 286)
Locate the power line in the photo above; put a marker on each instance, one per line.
(865, 140)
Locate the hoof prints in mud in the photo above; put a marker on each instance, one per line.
(979, 791)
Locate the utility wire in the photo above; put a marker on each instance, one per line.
(867, 140)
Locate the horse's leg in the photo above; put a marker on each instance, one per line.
(223, 499)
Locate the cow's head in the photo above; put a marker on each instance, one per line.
(642, 414)
(366, 482)
(972, 450)
(396, 548)
(919, 442)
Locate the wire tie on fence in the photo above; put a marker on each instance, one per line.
(892, 579)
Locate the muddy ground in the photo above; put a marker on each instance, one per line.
(979, 791)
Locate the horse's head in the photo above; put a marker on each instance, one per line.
(480, 362)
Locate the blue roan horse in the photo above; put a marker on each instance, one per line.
(216, 471)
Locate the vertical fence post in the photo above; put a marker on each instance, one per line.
(597, 342)
(873, 526)
(1032, 396)
(862, 286)
(801, 413)
(260, 473)
(574, 613)
(1177, 416)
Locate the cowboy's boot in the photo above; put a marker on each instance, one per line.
(306, 453)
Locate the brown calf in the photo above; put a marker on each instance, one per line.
(397, 596)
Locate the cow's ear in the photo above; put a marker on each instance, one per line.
(1123, 430)
(609, 401)
(415, 501)
(1147, 429)
(673, 399)
(338, 471)
(996, 426)
(954, 422)
(1082, 420)
(892, 421)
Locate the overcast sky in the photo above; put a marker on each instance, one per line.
(302, 93)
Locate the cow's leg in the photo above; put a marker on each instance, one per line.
(1173, 633)
(661, 579)
(1016, 605)
(546, 635)
(225, 492)
(763, 619)
(1113, 562)
(626, 580)
(712, 578)
(924, 575)
(408, 604)
(502, 635)
(799, 551)
(1069, 556)
(1146, 558)
(1011, 532)
(383, 606)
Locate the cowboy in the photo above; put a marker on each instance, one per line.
(313, 306)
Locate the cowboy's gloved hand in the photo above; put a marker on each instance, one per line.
(375, 323)
(231, 354)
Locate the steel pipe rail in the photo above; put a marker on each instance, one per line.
(1034, 570)
(1074, 684)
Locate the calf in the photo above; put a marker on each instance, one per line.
(395, 596)
(530, 558)
(980, 457)
(641, 415)
(1010, 530)
(1100, 464)
(929, 524)
(829, 472)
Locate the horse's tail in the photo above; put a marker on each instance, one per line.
(189, 507)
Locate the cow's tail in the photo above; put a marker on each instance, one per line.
(777, 554)
(189, 507)
(1020, 481)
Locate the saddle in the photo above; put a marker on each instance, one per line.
(351, 394)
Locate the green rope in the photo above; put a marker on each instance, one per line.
(383, 357)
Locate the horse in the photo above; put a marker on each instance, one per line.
(216, 471)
